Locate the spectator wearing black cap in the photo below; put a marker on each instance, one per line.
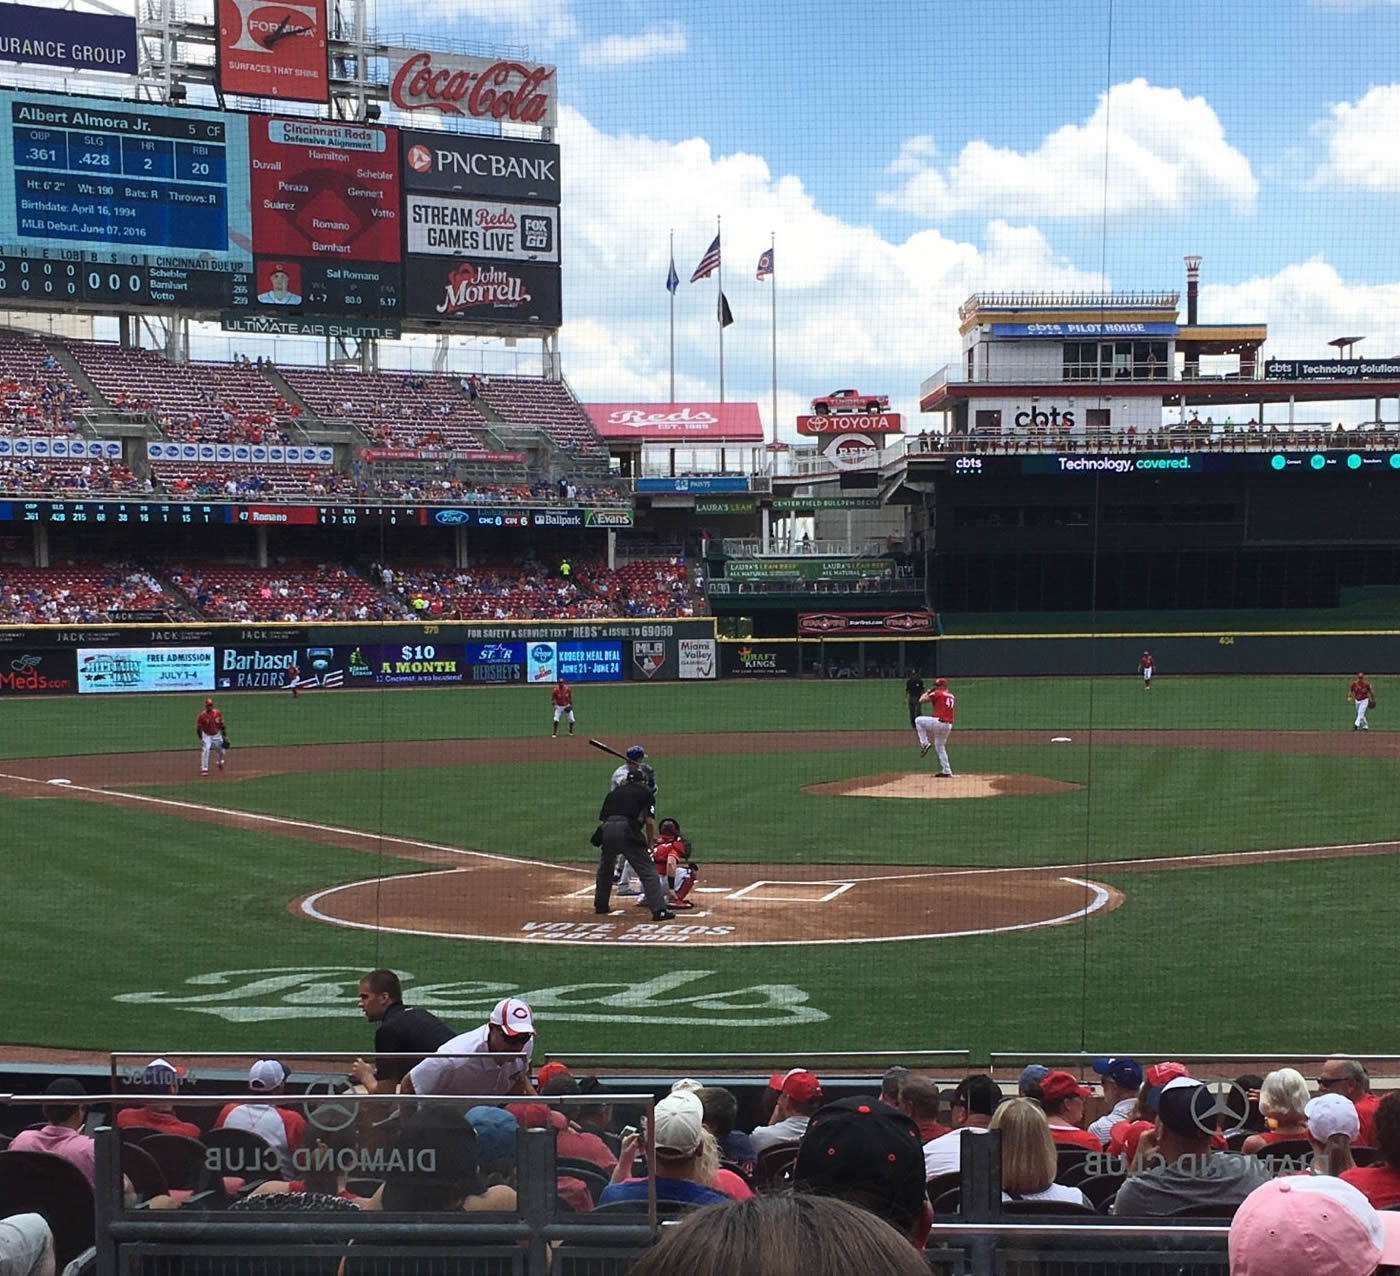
(975, 1099)
(1122, 1079)
(61, 1134)
(1185, 1171)
(869, 1154)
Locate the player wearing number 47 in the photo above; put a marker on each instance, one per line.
(935, 726)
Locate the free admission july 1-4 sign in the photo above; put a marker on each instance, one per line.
(274, 50)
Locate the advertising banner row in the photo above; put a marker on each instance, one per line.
(128, 670)
(50, 447)
(251, 453)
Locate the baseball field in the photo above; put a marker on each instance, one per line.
(1205, 866)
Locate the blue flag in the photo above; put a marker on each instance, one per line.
(673, 280)
(765, 264)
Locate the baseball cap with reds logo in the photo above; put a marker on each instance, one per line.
(802, 1087)
(1060, 1084)
(515, 1017)
(1160, 1073)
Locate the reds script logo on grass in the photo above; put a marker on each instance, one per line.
(649, 657)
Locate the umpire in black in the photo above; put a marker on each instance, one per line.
(913, 689)
(627, 827)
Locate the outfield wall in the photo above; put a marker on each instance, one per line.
(116, 659)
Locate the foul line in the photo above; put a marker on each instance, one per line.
(281, 821)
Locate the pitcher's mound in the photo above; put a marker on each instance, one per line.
(927, 784)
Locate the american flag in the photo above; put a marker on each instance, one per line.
(765, 264)
(709, 263)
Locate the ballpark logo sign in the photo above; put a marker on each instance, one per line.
(649, 657)
(690, 998)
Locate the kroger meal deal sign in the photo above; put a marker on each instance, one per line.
(541, 662)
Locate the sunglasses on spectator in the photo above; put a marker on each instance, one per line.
(1326, 1081)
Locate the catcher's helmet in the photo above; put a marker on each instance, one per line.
(669, 827)
(636, 753)
(640, 776)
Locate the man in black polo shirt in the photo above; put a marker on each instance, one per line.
(913, 689)
(401, 1029)
(627, 827)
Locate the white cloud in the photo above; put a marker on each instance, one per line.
(1165, 153)
(528, 22)
(621, 50)
(853, 307)
(1361, 149)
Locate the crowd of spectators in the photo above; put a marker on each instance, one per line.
(91, 476)
(81, 594)
(37, 396)
(528, 589)
(287, 592)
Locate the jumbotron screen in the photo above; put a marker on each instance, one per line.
(120, 205)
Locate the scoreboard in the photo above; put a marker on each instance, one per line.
(123, 205)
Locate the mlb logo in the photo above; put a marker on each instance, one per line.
(649, 657)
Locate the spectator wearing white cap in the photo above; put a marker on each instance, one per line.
(1311, 1226)
(687, 1157)
(800, 1096)
(1332, 1125)
(282, 1129)
(493, 1059)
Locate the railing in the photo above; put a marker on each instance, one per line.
(793, 585)
(747, 547)
(1217, 437)
(980, 301)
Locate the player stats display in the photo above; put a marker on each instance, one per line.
(326, 216)
(124, 203)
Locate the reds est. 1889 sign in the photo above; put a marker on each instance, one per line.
(484, 88)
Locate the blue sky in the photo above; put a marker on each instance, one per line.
(908, 154)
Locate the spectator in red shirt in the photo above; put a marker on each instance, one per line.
(1349, 1077)
(1282, 1099)
(159, 1077)
(1063, 1098)
(920, 1100)
(1381, 1182)
(281, 1128)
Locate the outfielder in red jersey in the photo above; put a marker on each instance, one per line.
(209, 727)
(935, 726)
(1145, 669)
(1360, 691)
(293, 677)
(563, 697)
(673, 866)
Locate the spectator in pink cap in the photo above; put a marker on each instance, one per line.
(800, 1096)
(493, 1059)
(1311, 1226)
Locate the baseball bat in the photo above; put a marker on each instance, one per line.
(598, 744)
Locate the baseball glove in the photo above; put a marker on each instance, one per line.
(228, 744)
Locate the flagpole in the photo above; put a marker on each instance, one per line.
(672, 291)
(719, 309)
(773, 311)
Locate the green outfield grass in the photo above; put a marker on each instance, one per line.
(114, 912)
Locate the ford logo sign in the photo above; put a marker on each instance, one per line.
(540, 652)
(450, 518)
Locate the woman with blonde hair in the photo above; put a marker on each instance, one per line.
(1282, 1099)
(1332, 1125)
(1028, 1157)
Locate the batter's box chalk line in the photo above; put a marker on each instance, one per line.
(745, 891)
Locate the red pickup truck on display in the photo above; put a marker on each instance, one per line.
(849, 401)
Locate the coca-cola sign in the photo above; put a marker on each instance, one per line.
(469, 290)
(483, 88)
(720, 422)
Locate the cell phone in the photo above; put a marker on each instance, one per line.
(630, 1131)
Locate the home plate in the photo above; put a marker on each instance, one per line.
(1059, 739)
(60, 781)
